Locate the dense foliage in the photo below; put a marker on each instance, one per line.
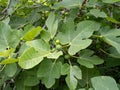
(59, 44)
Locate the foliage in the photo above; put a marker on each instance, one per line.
(59, 45)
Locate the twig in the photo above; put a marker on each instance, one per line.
(82, 6)
(5, 10)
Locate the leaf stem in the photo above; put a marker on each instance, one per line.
(74, 56)
(3, 68)
(5, 11)
(69, 62)
(104, 51)
(97, 36)
(65, 45)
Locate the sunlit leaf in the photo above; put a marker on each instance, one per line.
(40, 45)
(54, 55)
(45, 35)
(30, 58)
(30, 35)
(112, 20)
(9, 61)
(6, 53)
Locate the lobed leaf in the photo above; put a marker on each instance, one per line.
(72, 76)
(49, 71)
(112, 37)
(88, 60)
(84, 30)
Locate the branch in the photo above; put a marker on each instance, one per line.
(82, 6)
(5, 10)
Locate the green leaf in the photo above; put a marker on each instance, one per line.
(88, 60)
(33, 16)
(8, 87)
(12, 6)
(44, 49)
(24, 77)
(78, 39)
(72, 76)
(87, 74)
(112, 37)
(45, 35)
(23, 48)
(118, 86)
(18, 21)
(8, 38)
(91, 3)
(25, 30)
(67, 33)
(82, 89)
(7, 53)
(52, 24)
(10, 69)
(68, 4)
(9, 61)
(114, 53)
(6, 21)
(90, 89)
(27, 88)
(110, 1)
(49, 71)
(98, 13)
(40, 45)
(84, 30)
(30, 58)
(112, 20)
(65, 69)
(112, 62)
(104, 83)
(30, 35)
(31, 81)
(54, 55)
(78, 45)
